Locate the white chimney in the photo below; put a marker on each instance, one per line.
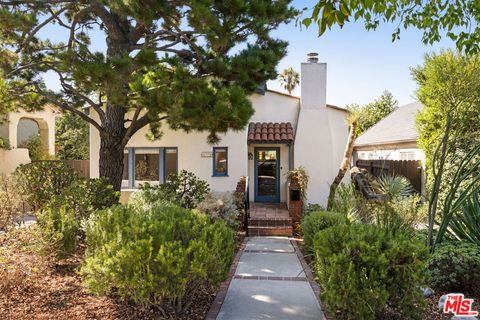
(313, 83)
(318, 131)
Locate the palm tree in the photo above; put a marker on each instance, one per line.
(289, 79)
(353, 118)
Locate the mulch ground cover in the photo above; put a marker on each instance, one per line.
(35, 286)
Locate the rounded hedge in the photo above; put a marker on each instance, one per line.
(363, 269)
(317, 221)
(163, 252)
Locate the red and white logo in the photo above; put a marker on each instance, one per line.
(457, 304)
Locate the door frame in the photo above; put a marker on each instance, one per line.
(267, 199)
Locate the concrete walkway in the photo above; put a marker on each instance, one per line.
(270, 283)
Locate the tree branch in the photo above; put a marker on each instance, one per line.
(40, 26)
(65, 106)
(139, 124)
(68, 87)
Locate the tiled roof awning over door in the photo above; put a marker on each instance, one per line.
(270, 132)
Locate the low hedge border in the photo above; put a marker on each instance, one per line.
(223, 288)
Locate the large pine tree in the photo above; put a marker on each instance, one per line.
(191, 64)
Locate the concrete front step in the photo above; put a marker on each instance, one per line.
(284, 231)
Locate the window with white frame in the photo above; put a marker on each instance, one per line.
(410, 155)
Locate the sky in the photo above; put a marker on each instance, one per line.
(360, 64)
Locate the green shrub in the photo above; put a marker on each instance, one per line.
(363, 269)
(221, 205)
(163, 252)
(311, 207)
(9, 203)
(183, 189)
(84, 196)
(60, 229)
(4, 143)
(317, 221)
(39, 181)
(35, 147)
(455, 267)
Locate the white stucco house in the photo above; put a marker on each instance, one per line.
(392, 138)
(18, 126)
(285, 132)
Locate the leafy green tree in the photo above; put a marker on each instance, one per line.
(376, 111)
(189, 64)
(71, 137)
(289, 79)
(459, 20)
(449, 123)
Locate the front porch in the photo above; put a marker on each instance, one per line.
(269, 219)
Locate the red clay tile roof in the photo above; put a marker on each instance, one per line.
(270, 132)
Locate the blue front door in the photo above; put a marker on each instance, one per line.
(267, 174)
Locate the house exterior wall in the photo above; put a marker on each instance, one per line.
(11, 159)
(271, 107)
(20, 125)
(45, 120)
(320, 137)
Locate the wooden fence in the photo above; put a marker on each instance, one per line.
(81, 166)
(410, 169)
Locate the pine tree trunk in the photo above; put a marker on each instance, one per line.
(112, 144)
(113, 136)
(347, 155)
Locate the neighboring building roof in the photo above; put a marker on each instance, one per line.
(337, 107)
(398, 126)
(263, 132)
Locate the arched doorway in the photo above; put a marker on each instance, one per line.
(33, 133)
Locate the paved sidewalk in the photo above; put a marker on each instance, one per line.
(270, 283)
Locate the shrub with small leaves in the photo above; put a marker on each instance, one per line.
(221, 205)
(364, 270)
(311, 207)
(35, 147)
(60, 229)
(4, 143)
(183, 189)
(9, 203)
(455, 267)
(84, 196)
(163, 252)
(39, 181)
(317, 221)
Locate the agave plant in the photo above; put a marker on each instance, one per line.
(465, 225)
(394, 186)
